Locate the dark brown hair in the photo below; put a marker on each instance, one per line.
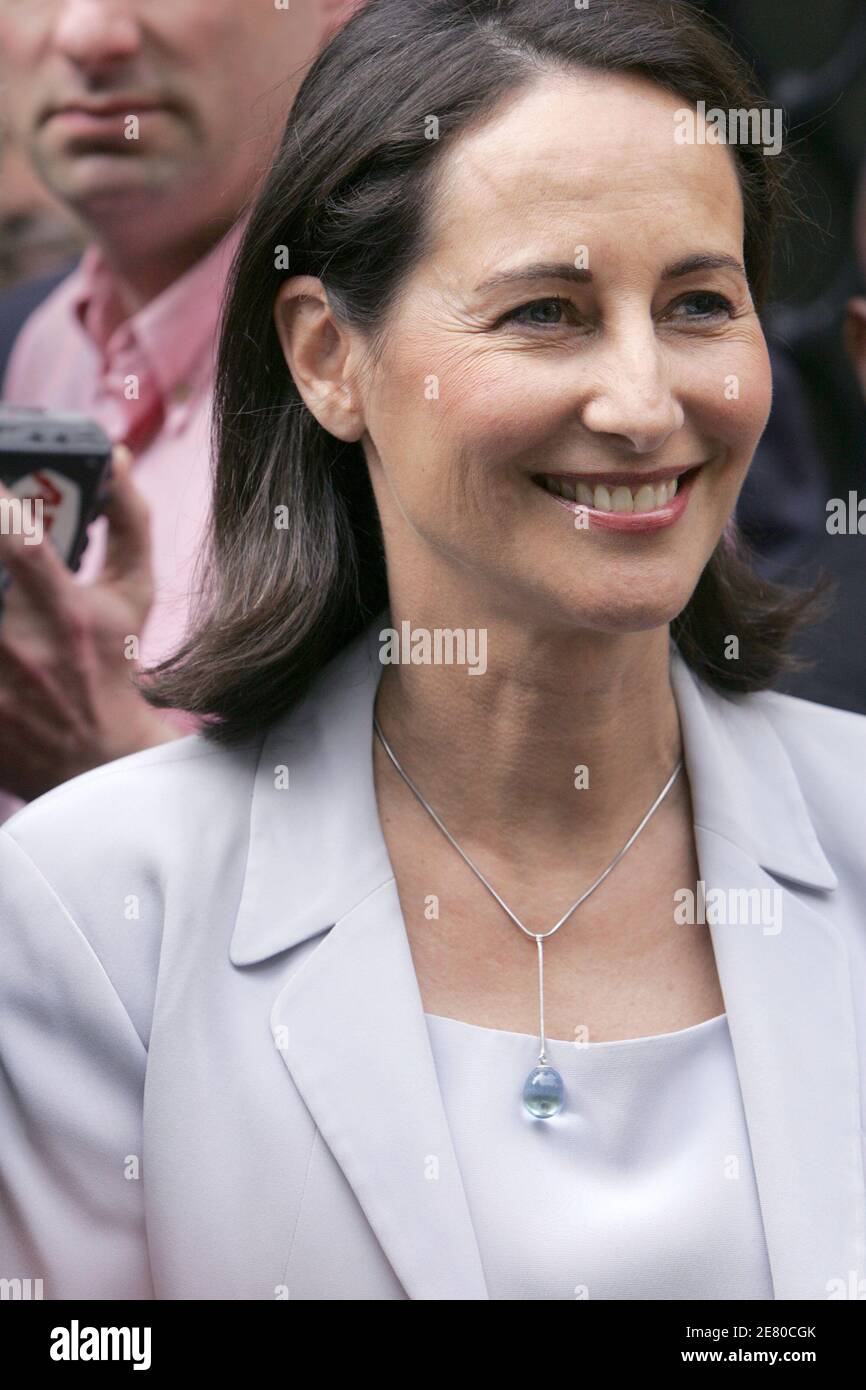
(346, 199)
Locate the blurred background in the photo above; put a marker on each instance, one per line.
(811, 60)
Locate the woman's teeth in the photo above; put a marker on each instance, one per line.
(643, 498)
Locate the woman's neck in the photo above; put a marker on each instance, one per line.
(499, 755)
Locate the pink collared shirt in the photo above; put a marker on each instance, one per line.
(147, 379)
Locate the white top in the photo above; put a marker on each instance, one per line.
(641, 1188)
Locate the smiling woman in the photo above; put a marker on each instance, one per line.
(491, 370)
(471, 211)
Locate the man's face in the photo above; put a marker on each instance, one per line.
(123, 104)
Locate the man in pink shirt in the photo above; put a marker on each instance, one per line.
(152, 121)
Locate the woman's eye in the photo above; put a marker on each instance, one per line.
(703, 305)
(540, 313)
(551, 312)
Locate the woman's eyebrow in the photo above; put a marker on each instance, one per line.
(539, 270)
(562, 270)
(702, 260)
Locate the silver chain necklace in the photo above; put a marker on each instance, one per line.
(543, 1090)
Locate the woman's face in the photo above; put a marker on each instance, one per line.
(579, 322)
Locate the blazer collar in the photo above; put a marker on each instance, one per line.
(742, 782)
(316, 847)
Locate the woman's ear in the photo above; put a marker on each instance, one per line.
(316, 348)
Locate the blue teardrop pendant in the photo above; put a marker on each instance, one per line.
(543, 1092)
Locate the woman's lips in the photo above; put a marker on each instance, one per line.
(660, 514)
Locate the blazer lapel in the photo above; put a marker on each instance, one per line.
(356, 1044)
(349, 1021)
(787, 989)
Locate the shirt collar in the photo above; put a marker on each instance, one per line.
(176, 331)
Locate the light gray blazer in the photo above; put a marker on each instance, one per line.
(215, 1074)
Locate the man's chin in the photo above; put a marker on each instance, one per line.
(101, 181)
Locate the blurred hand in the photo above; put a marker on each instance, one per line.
(67, 702)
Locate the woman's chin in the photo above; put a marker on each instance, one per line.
(636, 619)
(620, 613)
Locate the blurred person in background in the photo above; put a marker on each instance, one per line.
(152, 123)
(835, 647)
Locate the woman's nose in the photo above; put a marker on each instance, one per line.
(633, 398)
